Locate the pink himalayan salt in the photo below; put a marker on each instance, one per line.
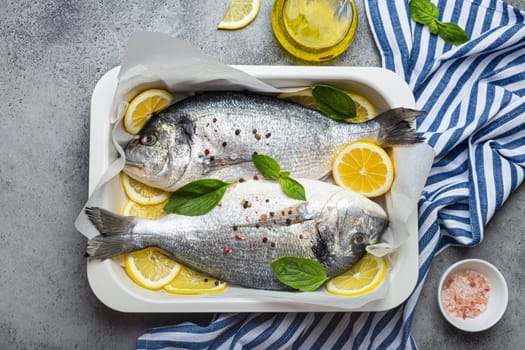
(465, 293)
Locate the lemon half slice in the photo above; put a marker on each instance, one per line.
(303, 97)
(192, 282)
(239, 14)
(151, 269)
(362, 278)
(141, 193)
(142, 107)
(152, 212)
(364, 109)
(364, 167)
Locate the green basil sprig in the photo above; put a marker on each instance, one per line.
(426, 13)
(452, 33)
(272, 170)
(267, 166)
(304, 274)
(196, 198)
(423, 11)
(333, 102)
(292, 188)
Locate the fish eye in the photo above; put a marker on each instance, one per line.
(148, 139)
(359, 238)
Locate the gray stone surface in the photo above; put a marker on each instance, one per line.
(52, 53)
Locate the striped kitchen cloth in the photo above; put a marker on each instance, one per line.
(474, 95)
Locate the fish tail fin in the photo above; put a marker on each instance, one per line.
(108, 223)
(115, 234)
(396, 127)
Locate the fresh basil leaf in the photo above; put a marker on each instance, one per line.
(272, 170)
(292, 188)
(196, 198)
(284, 174)
(300, 273)
(452, 33)
(434, 27)
(333, 102)
(423, 11)
(267, 166)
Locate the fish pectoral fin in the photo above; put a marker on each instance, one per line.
(214, 164)
(283, 217)
(325, 176)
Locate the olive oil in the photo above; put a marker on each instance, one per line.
(314, 30)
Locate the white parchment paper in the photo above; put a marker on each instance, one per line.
(155, 60)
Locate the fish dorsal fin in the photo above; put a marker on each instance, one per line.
(283, 217)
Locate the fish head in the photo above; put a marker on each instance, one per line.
(159, 155)
(350, 223)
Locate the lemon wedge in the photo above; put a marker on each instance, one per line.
(364, 109)
(141, 193)
(364, 167)
(152, 212)
(190, 281)
(151, 269)
(362, 278)
(239, 14)
(142, 107)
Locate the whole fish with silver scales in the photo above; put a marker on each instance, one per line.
(254, 224)
(214, 135)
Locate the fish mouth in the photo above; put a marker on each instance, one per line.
(134, 167)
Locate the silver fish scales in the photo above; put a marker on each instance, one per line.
(254, 225)
(215, 135)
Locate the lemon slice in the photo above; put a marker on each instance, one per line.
(239, 14)
(142, 107)
(141, 193)
(151, 269)
(364, 109)
(303, 97)
(362, 278)
(132, 208)
(365, 168)
(192, 282)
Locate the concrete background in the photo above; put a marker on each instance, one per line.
(52, 54)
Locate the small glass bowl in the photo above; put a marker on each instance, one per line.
(497, 302)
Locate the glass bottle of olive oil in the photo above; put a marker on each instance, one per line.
(314, 30)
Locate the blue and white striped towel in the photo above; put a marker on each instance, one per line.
(475, 98)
